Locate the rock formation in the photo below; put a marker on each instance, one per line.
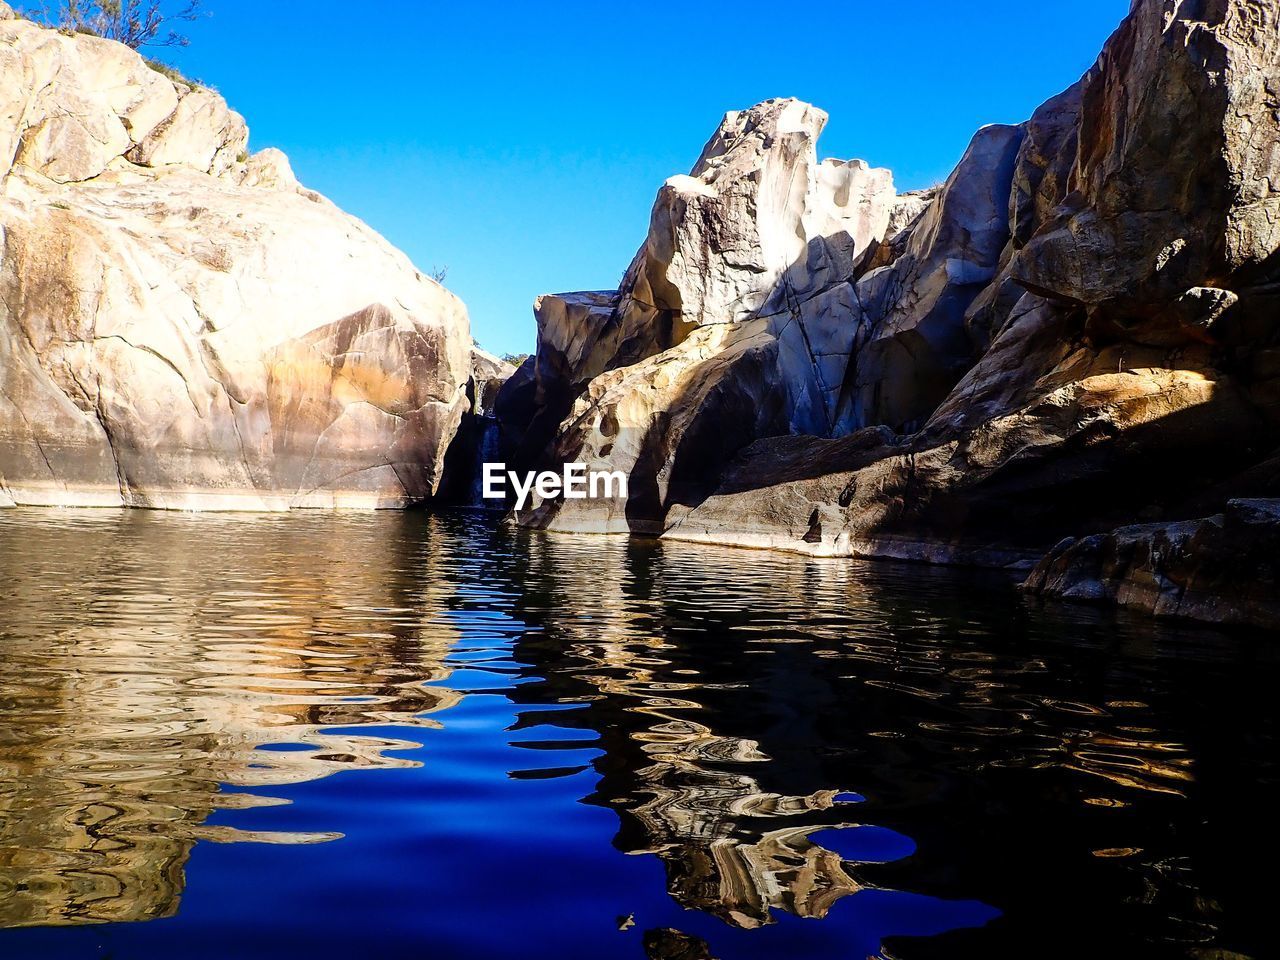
(182, 324)
(1077, 331)
(728, 326)
(488, 374)
(476, 439)
(1223, 568)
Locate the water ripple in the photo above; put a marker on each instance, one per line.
(891, 750)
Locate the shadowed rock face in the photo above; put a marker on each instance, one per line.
(477, 439)
(912, 341)
(1222, 568)
(1076, 331)
(488, 374)
(181, 324)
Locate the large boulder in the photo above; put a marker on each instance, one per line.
(1123, 342)
(1224, 568)
(1174, 167)
(735, 320)
(181, 324)
(1077, 331)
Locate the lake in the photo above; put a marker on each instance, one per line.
(408, 735)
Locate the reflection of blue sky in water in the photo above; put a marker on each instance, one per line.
(519, 740)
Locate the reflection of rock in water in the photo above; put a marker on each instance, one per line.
(733, 697)
(667, 944)
(696, 821)
(682, 789)
(121, 722)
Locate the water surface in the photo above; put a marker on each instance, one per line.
(412, 736)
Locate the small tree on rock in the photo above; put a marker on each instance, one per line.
(135, 23)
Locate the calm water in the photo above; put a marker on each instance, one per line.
(413, 736)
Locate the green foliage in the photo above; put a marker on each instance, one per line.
(173, 74)
(515, 359)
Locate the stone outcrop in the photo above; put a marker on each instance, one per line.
(1074, 333)
(1223, 568)
(488, 374)
(1172, 179)
(728, 325)
(574, 345)
(912, 343)
(1097, 448)
(476, 439)
(183, 325)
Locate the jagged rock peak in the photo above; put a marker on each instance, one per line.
(756, 211)
(735, 319)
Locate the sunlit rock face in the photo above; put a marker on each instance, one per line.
(1074, 332)
(734, 321)
(183, 325)
(757, 224)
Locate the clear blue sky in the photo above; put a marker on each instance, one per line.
(521, 144)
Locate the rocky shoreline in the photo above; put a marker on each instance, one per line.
(1221, 569)
(1077, 332)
